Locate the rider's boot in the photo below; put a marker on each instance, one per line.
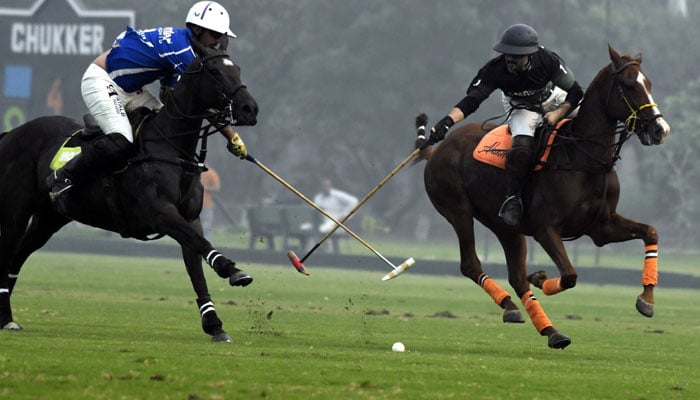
(75, 172)
(97, 157)
(518, 164)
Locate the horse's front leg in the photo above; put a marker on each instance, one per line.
(190, 235)
(621, 229)
(211, 323)
(551, 242)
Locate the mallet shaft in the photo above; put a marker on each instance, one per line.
(363, 201)
(319, 209)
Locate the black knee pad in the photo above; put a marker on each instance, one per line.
(519, 157)
(107, 151)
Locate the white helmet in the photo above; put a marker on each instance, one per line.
(210, 15)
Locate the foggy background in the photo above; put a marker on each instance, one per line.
(339, 83)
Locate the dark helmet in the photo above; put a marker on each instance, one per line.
(518, 40)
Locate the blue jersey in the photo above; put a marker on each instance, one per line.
(139, 57)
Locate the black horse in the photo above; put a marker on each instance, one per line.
(575, 194)
(158, 193)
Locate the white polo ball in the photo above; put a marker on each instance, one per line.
(398, 347)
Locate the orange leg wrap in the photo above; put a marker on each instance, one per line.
(552, 286)
(537, 315)
(650, 275)
(493, 289)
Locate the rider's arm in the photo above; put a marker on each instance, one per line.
(478, 90)
(574, 94)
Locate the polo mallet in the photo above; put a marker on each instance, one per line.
(299, 263)
(396, 270)
(421, 121)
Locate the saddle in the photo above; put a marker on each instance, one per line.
(495, 144)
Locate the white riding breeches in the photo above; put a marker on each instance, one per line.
(523, 121)
(109, 103)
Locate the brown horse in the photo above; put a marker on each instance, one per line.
(575, 194)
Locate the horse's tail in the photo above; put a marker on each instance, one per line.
(422, 142)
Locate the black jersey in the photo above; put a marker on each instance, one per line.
(533, 86)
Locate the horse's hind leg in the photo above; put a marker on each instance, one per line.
(515, 248)
(40, 230)
(470, 266)
(211, 323)
(12, 227)
(621, 229)
(17, 242)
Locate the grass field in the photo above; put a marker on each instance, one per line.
(101, 327)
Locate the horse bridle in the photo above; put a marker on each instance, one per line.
(634, 116)
(217, 119)
(222, 116)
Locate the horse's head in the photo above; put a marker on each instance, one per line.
(213, 81)
(630, 100)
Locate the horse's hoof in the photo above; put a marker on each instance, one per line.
(240, 278)
(644, 308)
(221, 338)
(558, 340)
(513, 317)
(11, 326)
(536, 278)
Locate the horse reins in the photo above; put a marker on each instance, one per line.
(630, 126)
(630, 123)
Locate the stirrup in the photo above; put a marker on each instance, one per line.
(57, 185)
(511, 210)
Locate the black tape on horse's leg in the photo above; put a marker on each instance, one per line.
(211, 323)
(222, 265)
(226, 268)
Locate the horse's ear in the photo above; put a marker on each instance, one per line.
(223, 43)
(199, 48)
(639, 57)
(614, 56)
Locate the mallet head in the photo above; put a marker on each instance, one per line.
(399, 270)
(296, 262)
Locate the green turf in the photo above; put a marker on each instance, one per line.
(123, 328)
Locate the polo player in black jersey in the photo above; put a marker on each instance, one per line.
(537, 87)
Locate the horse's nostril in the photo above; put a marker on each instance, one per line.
(251, 110)
(254, 110)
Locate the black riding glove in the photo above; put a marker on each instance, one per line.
(438, 132)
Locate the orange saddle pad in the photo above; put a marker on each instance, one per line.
(494, 145)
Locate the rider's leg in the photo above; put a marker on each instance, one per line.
(518, 164)
(102, 155)
(522, 123)
(105, 101)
